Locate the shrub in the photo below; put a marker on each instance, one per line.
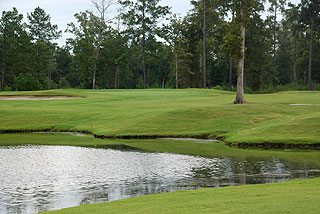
(63, 83)
(26, 82)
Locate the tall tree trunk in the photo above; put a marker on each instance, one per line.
(310, 54)
(275, 43)
(144, 46)
(205, 44)
(102, 7)
(97, 55)
(148, 75)
(240, 92)
(95, 67)
(200, 69)
(4, 59)
(295, 61)
(49, 79)
(231, 63)
(176, 61)
(116, 77)
(230, 74)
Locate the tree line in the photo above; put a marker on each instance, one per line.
(253, 45)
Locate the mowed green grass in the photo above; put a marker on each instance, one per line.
(298, 196)
(186, 147)
(267, 118)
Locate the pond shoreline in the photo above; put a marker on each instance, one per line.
(264, 145)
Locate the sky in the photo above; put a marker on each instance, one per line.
(62, 11)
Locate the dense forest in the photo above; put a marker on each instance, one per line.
(146, 46)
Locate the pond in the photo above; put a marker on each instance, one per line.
(42, 178)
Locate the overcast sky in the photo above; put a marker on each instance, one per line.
(62, 11)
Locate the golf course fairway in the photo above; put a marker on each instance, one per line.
(290, 118)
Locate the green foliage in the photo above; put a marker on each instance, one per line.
(134, 13)
(26, 82)
(83, 46)
(40, 26)
(63, 83)
(18, 46)
(7, 88)
(140, 84)
(232, 40)
(270, 61)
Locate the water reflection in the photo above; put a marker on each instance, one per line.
(41, 178)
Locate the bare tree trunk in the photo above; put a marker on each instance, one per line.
(240, 92)
(95, 66)
(231, 64)
(176, 61)
(49, 79)
(274, 43)
(116, 76)
(102, 7)
(4, 59)
(205, 44)
(200, 69)
(144, 45)
(295, 61)
(148, 75)
(310, 54)
(230, 74)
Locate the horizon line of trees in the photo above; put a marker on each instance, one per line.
(219, 43)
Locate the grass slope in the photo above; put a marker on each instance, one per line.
(267, 118)
(298, 196)
(196, 148)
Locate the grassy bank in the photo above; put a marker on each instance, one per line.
(196, 148)
(298, 196)
(267, 118)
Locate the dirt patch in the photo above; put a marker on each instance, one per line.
(37, 97)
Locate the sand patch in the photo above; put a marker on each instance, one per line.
(37, 98)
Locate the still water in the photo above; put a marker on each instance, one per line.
(41, 178)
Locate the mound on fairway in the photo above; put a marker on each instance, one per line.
(190, 112)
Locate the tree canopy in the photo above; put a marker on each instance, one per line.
(145, 44)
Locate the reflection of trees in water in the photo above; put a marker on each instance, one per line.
(247, 170)
(138, 174)
(152, 186)
(220, 172)
(127, 189)
(215, 174)
(41, 200)
(95, 197)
